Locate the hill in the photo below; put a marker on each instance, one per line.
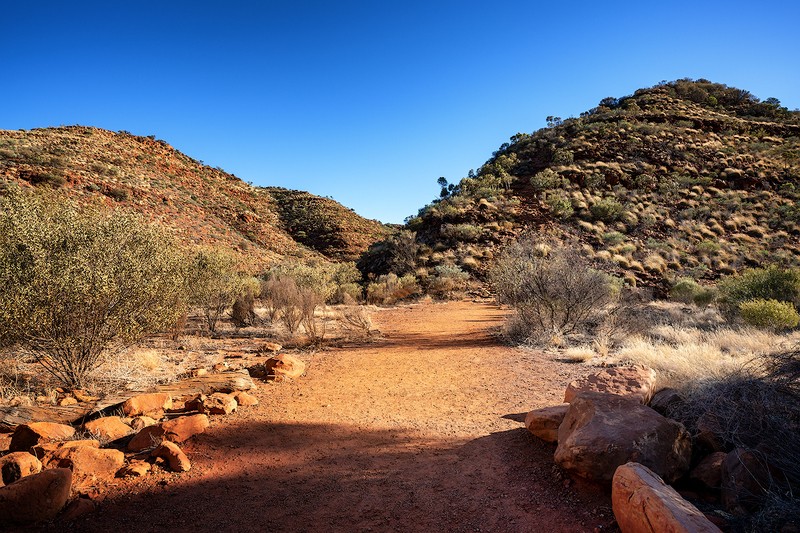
(688, 178)
(203, 205)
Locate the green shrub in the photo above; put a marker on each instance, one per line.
(214, 283)
(449, 281)
(545, 180)
(607, 210)
(769, 314)
(687, 290)
(771, 283)
(78, 286)
(559, 204)
(461, 232)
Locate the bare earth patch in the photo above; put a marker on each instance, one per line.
(420, 431)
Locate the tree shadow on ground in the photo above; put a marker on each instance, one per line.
(321, 477)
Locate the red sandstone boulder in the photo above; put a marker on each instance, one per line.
(220, 403)
(176, 459)
(135, 469)
(17, 465)
(643, 503)
(27, 436)
(147, 438)
(183, 428)
(140, 422)
(635, 382)
(35, 498)
(745, 478)
(108, 428)
(245, 399)
(77, 508)
(5, 442)
(544, 422)
(152, 405)
(280, 367)
(667, 401)
(709, 470)
(91, 465)
(603, 431)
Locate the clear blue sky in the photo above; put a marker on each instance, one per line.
(369, 101)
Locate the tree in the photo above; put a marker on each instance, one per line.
(78, 286)
(214, 283)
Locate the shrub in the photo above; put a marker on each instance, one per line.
(545, 180)
(769, 314)
(243, 312)
(214, 283)
(449, 281)
(607, 210)
(771, 283)
(389, 288)
(555, 292)
(687, 290)
(559, 205)
(78, 286)
(461, 232)
(356, 319)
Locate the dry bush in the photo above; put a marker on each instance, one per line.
(553, 293)
(310, 301)
(243, 312)
(758, 409)
(356, 319)
(137, 368)
(389, 289)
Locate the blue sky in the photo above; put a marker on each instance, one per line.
(369, 102)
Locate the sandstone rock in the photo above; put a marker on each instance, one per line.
(91, 465)
(134, 469)
(147, 438)
(183, 428)
(197, 372)
(48, 452)
(708, 431)
(745, 476)
(709, 470)
(67, 400)
(245, 399)
(5, 442)
(108, 428)
(220, 403)
(196, 403)
(176, 459)
(140, 422)
(643, 503)
(83, 396)
(636, 382)
(279, 368)
(544, 422)
(667, 401)
(17, 465)
(35, 498)
(77, 508)
(152, 405)
(602, 431)
(27, 436)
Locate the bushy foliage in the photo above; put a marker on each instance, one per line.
(769, 314)
(214, 283)
(390, 288)
(461, 232)
(559, 205)
(243, 312)
(552, 292)
(607, 210)
(687, 290)
(771, 283)
(328, 280)
(77, 286)
(449, 281)
(397, 254)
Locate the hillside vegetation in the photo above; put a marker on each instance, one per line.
(687, 179)
(203, 205)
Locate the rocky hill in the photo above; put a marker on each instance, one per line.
(688, 178)
(202, 204)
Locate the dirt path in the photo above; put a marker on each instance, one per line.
(418, 432)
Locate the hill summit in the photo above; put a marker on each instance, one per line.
(203, 205)
(683, 179)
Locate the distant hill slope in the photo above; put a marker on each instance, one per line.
(203, 204)
(687, 178)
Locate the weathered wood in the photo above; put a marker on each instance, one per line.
(73, 414)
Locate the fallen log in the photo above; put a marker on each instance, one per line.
(233, 380)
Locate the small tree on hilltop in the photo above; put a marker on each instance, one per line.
(78, 286)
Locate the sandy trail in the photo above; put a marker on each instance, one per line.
(420, 431)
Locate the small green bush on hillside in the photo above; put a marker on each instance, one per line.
(769, 314)
(687, 290)
(77, 287)
(607, 210)
(771, 283)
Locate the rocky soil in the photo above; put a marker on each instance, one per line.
(419, 431)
